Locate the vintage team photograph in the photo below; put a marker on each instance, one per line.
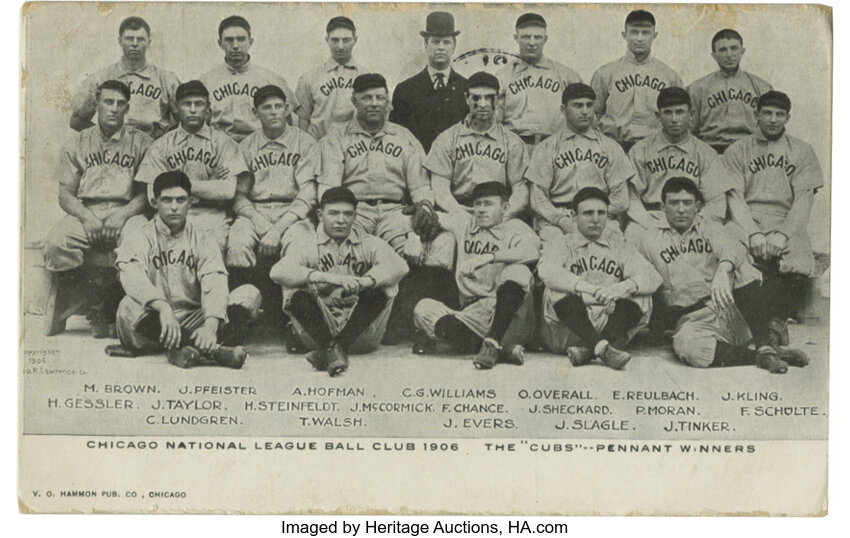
(258, 223)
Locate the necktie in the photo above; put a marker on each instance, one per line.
(439, 85)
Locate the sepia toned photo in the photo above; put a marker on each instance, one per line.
(425, 258)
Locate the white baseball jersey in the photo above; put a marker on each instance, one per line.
(725, 106)
(324, 95)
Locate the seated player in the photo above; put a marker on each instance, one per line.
(598, 288)
(339, 284)
(576, 156)
(176, 287)
(98, 192)
(493, 279)
(775, 177)
(710, 293)
(476, 150)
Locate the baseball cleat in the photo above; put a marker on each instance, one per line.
(768, 359)
(424, 346)
(184, 357)
(117, 350)
(487, 356)
(293, 343)
(232, 357)
(793, 356)
(579, 356)
(515, 356)
(337, 359)
(317, 360)
(614, 358)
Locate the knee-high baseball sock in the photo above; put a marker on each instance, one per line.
(572, 311)
(455, 332)
(626, 315)
(237, 328)
(509, 298)
(305, 308)
(729, 355)
(150, 327)
(751, 302)
(783, 293)
(369, 306)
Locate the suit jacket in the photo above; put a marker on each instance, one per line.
(428, 112)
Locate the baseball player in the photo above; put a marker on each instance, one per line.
(233, 85)
(725, 101)
(324, 94)
(154, 109)
(98, 192)
(673, 152)
(628, 88)
(776, 177)
(176, 287)
(494, 283)
(339, 284)
(531, 87)
(478, 150)
(209, 157)
(598, 288)
(577, 156)
(710, 293)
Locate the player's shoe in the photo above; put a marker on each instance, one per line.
(337, 359)
(293, 343)
(117, 350)
(423, 345)
(779, 332)
(515, 356)
(184, 357)
(793, 356)
(487, 356)
(768, 359)
(317, 359)
(614, 358)
(99, 324)
(579, 356)
(231, 357)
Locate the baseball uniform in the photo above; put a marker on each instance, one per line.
(101, 171)
(186, 270)
(725, 106)
(768, 174)
(467, 157)
(284, 174)
(153, 107)
(687, 263)
(478, 290)
(606, 261)
(324, 95)
(626, 95)
(199, 155)
(565, 163)
(530, 97)
(358, 255)
(231, 97)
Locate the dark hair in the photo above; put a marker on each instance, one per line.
(172, 178)
(590, 193)
(231, 21)
(115, 85)
(133, 23)
(726, 33)
(680, 184)
(338, 194)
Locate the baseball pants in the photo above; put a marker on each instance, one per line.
(243, 239)
(214, 222)
(798, 257)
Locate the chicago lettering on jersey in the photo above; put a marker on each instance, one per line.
(696, 245)
(573, 156)
(528, 82)
(336, 83)
(271, 158)
(147, 90)
(732, 94)
(106, 157)
(480, 149)
(169, 257)
(769, 160)
(478, 246)
(234, 88)
(376, 145)
(673, 163)
(327, 262)
(636, 80)
(600, 265)
(191, 154)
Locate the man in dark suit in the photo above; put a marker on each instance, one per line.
(432, 100)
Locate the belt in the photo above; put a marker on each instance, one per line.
(559, 205)
(652, 206)
(379, 201)
(274, 201)
(533, 139)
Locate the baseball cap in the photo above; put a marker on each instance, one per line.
(530, 19)
(193, 87)
(775, 98)
(588, 193)
(577, 90)
(338, 194)
(482, 78)
(640, 17)
(490, 188)
(672, 96)
(268, 91)
(368, 81)
(340, 22)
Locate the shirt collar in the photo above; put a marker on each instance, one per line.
(695, 226)
(355, 128)
(282, 140)
(121, 69)
(466, 129)
(543, 63)
(333, 65)
(764, 140)
(567, 133)
(204, 132)
(496, 231)
(244, 68)
(115, 136)
(576, 240)
(162, 227)
(446, 72)
(323, 238)
(630, 57)
(662, 143)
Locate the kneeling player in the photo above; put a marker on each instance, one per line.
(339, 284)
(176, 287)
(710, 293)
(492, 279)
(598, 288)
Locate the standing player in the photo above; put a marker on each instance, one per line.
(673, 152)
(176, 287)
(627, 88)
(531, 86)
(339, 284)
(494, 283)
(98, 192)
(598, 288)
(577, 156)
(710, 293)
(431, 101)
(775, 177)
(209, 157)
(725, 101)
(324, 94)
(478, 150)
(232, 85)
(154, 108)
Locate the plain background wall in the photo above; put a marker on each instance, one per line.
(789, 46)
